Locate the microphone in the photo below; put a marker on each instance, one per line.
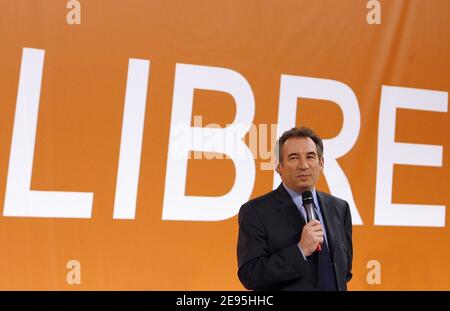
(308, 204)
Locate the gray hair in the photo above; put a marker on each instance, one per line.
(298, 132)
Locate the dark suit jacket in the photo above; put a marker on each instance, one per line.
(269, 231)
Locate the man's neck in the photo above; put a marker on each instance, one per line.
(292, 191)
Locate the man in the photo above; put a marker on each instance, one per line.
(277, 248)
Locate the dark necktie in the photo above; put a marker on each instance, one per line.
(327, 276)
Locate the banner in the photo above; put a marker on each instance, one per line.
(131, 132)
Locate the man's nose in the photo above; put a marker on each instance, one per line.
(302, 163)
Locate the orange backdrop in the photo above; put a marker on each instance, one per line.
(80, 115)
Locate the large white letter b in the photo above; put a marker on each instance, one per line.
(184, 138)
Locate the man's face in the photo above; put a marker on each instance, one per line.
(300, 166)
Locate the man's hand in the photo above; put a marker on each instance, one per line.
(312, 236)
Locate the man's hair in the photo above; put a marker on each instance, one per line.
(298, 132)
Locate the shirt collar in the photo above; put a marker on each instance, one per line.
(298, 196)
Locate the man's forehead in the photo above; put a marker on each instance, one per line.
(300, 144)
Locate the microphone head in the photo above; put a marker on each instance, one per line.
(307, 197)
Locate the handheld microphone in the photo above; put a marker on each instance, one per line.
(308, 204)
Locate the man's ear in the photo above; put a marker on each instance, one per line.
(321, 162)
(277, 167)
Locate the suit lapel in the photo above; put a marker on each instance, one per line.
(326, 208)
(287, 207)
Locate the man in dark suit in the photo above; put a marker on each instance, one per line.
(277, 248)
